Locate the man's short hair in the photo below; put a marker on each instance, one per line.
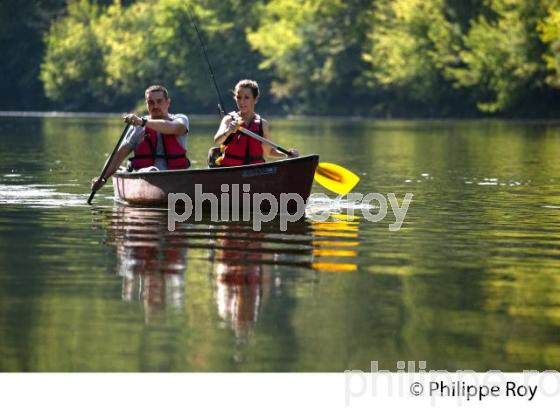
(154, 88)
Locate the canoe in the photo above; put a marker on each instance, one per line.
(287, 176)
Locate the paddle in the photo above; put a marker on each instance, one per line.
(109, 161)
(332, 176)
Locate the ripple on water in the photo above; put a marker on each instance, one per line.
(324, 246)
(40, 195)
(333, 207)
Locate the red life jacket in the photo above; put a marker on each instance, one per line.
(240, 149)
(145, 153)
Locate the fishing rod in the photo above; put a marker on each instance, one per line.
(221, 106)
(332, 176)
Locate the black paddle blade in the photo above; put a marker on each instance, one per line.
(91, 197)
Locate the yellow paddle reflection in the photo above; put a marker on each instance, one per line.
(326, 248)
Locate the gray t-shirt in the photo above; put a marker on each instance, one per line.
(135, 135)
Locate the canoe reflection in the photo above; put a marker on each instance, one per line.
(242, 279)
(245, 268)
(150, 261)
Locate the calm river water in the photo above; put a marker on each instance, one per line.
(470, 281)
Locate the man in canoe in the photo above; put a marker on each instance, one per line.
(159, 140)
(237, 148)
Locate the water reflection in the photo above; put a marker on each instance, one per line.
(470, 282)
(150, 261)
(244, 268)
(242, 281)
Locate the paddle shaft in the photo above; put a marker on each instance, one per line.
(321, 170)
(109, 162)
(264, 140)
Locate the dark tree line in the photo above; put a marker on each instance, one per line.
(380, 58)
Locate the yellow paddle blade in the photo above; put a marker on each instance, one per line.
(336, 178)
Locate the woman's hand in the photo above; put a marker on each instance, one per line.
(293, 153)
(233, 125)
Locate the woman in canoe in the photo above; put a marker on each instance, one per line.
(237, 148)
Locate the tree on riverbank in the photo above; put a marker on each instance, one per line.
(22, 25)
(111, 54)
(368, 57)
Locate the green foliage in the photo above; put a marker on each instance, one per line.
(380, 57)
(437, 51)
(113, 53)
(502, 54)
(411, 46)
(153, 42)
(22, 24)
(314, 50)
(549, 29)
(73, 62)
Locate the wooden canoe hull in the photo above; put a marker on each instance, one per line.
(293, 175)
